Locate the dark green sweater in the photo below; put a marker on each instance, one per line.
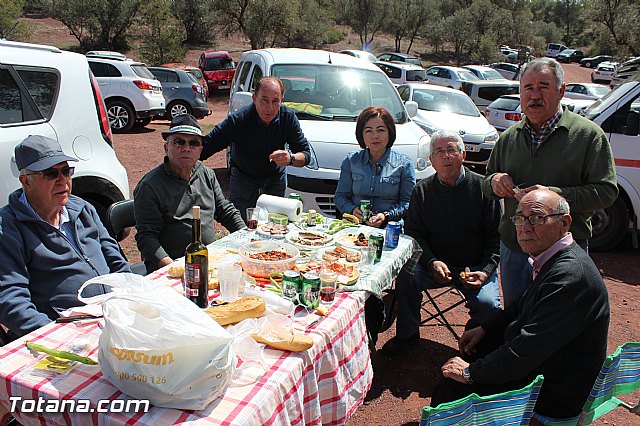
(558, 328)
(575, 161)
(457, 225)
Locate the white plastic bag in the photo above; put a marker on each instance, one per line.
(158, 345)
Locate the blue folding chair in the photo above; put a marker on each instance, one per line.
(506, 408)
(619, 375)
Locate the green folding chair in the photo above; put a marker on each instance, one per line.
(619, 375)
(507, 408)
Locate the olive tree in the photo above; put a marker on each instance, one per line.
(11, 27)
(196, 16)
(160, 34)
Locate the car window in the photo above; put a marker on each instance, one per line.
(390, 71)
(416, 75)
(113, 71)
(436, 100)
(493, 93)
(467, 76)
(433, 71)
(255, 77)
(414, 61)
(620, 119)
(142, 71)
(161, 75)
(600, 90)
(337, 92)
(42, 86)
(173, 77)
(244, 73)
(505, 104)
(404, 93)
(10, 99)
(444, 73)
(192, 78)
(99, 69)
(491, 75)
(214, 64)
(384, 57)
(196, 72)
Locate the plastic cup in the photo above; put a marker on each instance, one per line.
(369, 255)
(252, 218)
(328, 281)
(230, 277)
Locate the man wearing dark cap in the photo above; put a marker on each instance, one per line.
(51, 242)
(164, 198)
(265, 137)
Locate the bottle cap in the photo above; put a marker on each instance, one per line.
(196, 212)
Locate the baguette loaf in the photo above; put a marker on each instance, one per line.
(231, 313)
(285, 340)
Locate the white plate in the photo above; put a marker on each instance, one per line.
(294, 234)
(321, 252)
(259, 231)
(344, 237)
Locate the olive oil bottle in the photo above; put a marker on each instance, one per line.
(196, 268)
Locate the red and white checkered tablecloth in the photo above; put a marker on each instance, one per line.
(323, 385)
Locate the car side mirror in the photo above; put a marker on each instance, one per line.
(240, 100)
(633, 123)
(412, 108)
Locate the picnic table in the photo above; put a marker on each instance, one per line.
(323, 385)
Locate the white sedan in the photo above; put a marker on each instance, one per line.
(604, 72)
(585, 91)
(442, 108)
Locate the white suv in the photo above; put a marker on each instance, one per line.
(328, 91)
(49, 92)
(132, 94)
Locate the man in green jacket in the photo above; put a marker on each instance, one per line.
(549, 148)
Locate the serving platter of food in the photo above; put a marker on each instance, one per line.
(353, 239)
(306, 238)
(340, 253)
(347, 274)
(273, 230)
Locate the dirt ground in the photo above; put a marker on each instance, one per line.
(403, 385)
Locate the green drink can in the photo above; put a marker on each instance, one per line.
(377, 241)
(365, 208)
(291, 285)
(310, 295)
(295, 196)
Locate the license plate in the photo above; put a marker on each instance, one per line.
(471, 148)
(224, 87)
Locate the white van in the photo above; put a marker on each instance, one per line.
(618, 113)
(553, 49)
(49, 92)
(328, 91)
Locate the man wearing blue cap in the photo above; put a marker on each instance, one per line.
(51, 242)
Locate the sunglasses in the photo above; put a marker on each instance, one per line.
(53, 174)
(193, 143)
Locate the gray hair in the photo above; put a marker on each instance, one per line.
(562, 207)
(445, 135)
(539, 64)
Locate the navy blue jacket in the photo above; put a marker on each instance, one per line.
(41, 270)
(252, 141)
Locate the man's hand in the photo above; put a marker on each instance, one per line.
(502, 185)
(474, 279)
(523, 192)
(280, 157)
(440, 272)
(377, 220)
(164, 262)
(357, 213)
(468, 343)
(452, 369)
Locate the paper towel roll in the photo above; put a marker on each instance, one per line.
(292, 208)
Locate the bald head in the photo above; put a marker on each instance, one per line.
(547, 220)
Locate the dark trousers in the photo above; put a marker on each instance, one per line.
(245, 190)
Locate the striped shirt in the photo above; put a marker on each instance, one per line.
(538, 137)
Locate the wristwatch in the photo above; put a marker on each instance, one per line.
(292, 158)
(467, 376)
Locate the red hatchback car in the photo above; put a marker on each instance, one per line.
(218, 69)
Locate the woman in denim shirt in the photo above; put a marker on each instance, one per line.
(376, 172)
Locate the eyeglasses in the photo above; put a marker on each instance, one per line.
(193, 143)
(534, 220)
(448, 151)
(52, 174)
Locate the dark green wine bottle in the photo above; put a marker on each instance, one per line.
(196, 268)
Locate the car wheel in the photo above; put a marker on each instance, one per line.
(610, 226)
(121, 116)
(587, 64)
(143, 122)
(178, 108)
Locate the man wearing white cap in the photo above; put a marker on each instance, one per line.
(51, 242)
(165, 196)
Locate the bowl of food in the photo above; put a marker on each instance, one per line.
(261, 258)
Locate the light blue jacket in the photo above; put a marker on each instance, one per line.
(388, 185)
(41, 271)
